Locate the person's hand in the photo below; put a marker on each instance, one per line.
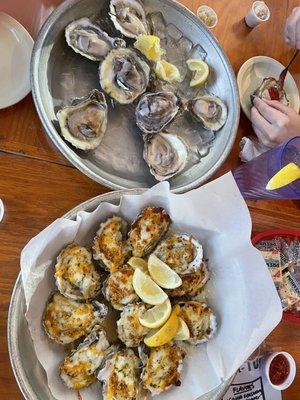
(273, 122)
(292, 29)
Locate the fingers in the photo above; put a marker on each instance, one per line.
(292, 28)
(260, 126)
(279, 106)
(269, 113)
(261, 137)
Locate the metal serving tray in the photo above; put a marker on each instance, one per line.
(58, 75)
(29, 374)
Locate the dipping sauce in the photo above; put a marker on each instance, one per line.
(261, 11)
(279, 370)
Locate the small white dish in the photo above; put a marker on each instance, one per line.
(15, 48)
(1, 210)
(291, 376)
(251, 74)
(211, 12)
(252, 19)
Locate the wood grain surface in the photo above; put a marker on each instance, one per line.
(37, 184)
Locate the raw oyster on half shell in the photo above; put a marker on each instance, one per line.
(124, 75)
(79, 368)
(66, 320)
(155, 111)
(166, 154)
(84, 123)
(129, 17)
(209, 110)
(75, 273)
(90, 40)
(271, 90)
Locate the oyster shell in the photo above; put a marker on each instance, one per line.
(120, 376)
(163, 368)
(166, 154)
(155, 111)
(130, 330)
(78, 369)
(110, 245)
(209, 110)
(90, 40)
(270, 90)
(200, 320)
(182, 253)
(118, 288)
(75, 274)
(129, 17)
(146, 231)
(66, 320)
(83, 124)
(124, 75)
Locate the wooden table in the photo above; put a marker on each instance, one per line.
(37, 184)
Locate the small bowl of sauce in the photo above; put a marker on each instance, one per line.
(280, 370)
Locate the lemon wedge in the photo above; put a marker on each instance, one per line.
(166, 333)
(183, 332)
(200, 71)
(149, 45)
(167, 71)
(137, 262)
(288, 174)
(162, 274)
(147, 289)
(157, 315)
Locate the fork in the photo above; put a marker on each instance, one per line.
(284, 72)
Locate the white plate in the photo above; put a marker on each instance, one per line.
(251, 74)
(15, 51)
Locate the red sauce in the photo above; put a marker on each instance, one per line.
(279, 369)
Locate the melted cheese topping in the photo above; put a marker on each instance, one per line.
(162, 369)
(78, 370)
(147, 230)
(200, 321)
(191, 283)
(66, 320)
(109, 246)
(122, 382)
(75, 273)
(130, 331)
(119, 290)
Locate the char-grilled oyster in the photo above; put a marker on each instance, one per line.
(191, 283)
(200, 320)
(118, 288)
(66, 320)
(270, 89)
(110, 244)
(163, 368)
(130, 330)
(146, 231)
(78, 369)
(155, 111)
(209, 110)
(124, 75)
(182, 253)
(120, 376)
(75, 274)
(166, 154)
(129, 17)
(84, 123)
(90, 40)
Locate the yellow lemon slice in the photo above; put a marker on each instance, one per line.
(200, 71)
(149, 45)
(166, 333)
(147, 289)
(157, 315)
(136, 262)
(162, 274)
(167, 71)
(288, 174)
(183, 332)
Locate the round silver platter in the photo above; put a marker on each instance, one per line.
(29, 374)
(59, 75)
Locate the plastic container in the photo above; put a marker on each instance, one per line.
(292, 370)
(253, 176)
(211, 13)
(287, 315)
(252, 19)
